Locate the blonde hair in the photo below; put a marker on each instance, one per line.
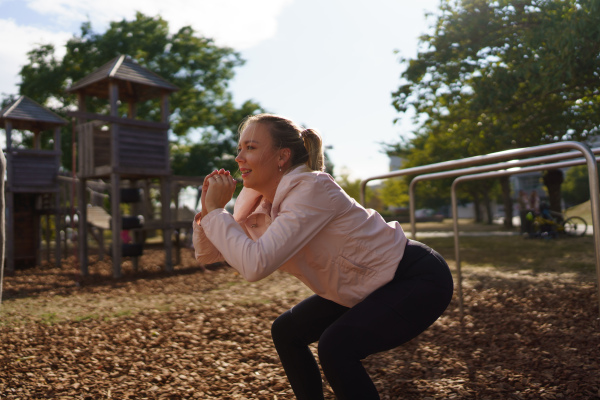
(306, 145)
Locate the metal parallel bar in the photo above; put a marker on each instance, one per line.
(480, 169)
(465, 162)
(590, 160)
(512, 154)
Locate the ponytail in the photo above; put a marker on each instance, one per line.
(314, 147)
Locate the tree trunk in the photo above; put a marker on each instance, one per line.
(477, 207)
(507, 201)
(488, 208)
(553, 178)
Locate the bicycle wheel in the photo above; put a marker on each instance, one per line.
(575, 226)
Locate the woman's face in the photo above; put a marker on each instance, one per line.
(258, 160)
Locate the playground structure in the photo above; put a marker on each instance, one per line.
(32, 190)
(504, 169)
(125, 151)
(121, 158)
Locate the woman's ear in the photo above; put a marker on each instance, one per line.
(284, 155)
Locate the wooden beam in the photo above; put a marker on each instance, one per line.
(10, 232)
(3, 212)
(132, 112)
(57, 224)
(164, 107)
(116, 223)
(165, 199)
(37, 140)
(113, 97)
(57, 139)
(8, 129)
(37, 221)
(113, 89)
(118, 120)
(176, 231)
(82, 229)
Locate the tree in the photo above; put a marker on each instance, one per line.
(352, 188)
(498, 75)
(394, 193)
(195, 64)
(576, 187)
(553, 178)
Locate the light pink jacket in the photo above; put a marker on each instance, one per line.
(313, 230)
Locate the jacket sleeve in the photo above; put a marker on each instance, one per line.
(303, 213)
(206, 252)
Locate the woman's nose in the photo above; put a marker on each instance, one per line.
(238, 158)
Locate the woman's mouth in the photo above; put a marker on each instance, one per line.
(245, 172)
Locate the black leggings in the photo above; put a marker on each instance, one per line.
(390, 316)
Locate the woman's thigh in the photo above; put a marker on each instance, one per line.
(396, 312)
(308, 319)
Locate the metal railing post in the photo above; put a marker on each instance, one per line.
(495, 174)
(485, 168)
(510, 154)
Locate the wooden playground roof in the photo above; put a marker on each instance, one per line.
(140, 83)
(26, 114)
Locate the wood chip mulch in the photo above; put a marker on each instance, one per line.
(205, 334)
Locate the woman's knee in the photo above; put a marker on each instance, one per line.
(336, 345)
(282, 328)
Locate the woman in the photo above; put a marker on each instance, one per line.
(374, 289)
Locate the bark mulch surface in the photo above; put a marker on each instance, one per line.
(205, 334)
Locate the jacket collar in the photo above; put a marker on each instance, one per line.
(250, 200)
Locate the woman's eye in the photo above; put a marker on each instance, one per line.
(239, 150)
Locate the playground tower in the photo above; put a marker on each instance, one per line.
(32, 189)
(124, 150)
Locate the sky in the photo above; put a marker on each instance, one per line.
(330, 65)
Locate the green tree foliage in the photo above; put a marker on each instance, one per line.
(195, 64)
(352, 187)
(394, 193)
(576, 187)
(498, 75)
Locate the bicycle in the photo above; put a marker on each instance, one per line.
(551, 224)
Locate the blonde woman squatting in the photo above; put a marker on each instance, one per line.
(374, 289)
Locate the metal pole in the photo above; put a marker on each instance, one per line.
(511, 154)
(594, 196)
(485, 168)
(465, 162)
(457, 253)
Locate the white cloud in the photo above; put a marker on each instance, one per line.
(13, 52)
(236, 23)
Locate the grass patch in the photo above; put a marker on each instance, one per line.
(49, 318)
(85, 317)
(564, 255)
(583, 210)
(464, 225)
(497, 255)
(123, 313)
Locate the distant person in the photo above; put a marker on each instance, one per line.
(374, 288)
(524, 209)
(535, 202)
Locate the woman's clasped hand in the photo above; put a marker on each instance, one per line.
(217, 190)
